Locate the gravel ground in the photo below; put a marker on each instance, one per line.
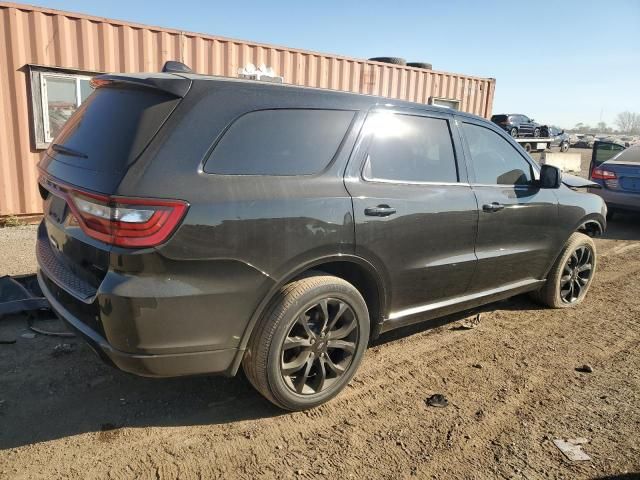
(17, 247)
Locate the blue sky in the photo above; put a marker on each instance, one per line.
(563, 63)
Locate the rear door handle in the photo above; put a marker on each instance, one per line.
(379, 211)
(492, 207)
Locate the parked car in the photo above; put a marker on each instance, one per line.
(198, 224)
(585, 141)
(559, 138)
(617, 170)
(519, 125)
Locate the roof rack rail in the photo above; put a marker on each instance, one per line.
(175, 67)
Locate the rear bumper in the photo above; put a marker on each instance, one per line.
(164, 365)
(618, 200)
(166, 319)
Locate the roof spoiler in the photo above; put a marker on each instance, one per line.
(174, 85)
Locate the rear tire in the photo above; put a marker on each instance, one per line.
(391, 60)
(564, 146)
(571, 275)
(423, 65)
(309, 343)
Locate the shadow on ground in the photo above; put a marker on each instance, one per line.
(623, 226)
(48, 395)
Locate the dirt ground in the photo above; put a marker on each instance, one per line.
(511, 384)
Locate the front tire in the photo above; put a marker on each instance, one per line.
(514, 132)
(309, 343)
(571, 275)
(536, 133)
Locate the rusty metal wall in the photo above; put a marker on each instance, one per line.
(33, 35)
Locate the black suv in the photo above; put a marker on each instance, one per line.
(519, 125)
(196, 224)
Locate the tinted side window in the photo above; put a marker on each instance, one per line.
(407, 148)
(280, 142)
(495, 161)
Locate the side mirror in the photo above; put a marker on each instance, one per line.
(561, 132)
(550, 177)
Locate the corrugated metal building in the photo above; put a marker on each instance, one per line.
(48, 57)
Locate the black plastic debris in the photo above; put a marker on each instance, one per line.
(437, 400)
(17, 295)
(22, 294)
(586, 368)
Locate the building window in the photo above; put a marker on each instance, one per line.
(55, 95)
(445, 102)
(61, 96)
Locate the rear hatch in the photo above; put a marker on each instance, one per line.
(501, 120)
(86, 163)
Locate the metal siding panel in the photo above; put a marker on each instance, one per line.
(8, 167)
(488, 104)
(34, 35)
(21, 163)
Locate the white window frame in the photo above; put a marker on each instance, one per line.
(45, 103)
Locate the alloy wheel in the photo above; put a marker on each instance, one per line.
(576, 274)
(319, 347)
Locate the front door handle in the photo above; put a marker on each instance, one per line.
(492, 207)
(379, 211)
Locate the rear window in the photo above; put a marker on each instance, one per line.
(280, 142)
(631, 155)
(112, 128)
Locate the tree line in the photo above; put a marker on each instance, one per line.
(626, 122)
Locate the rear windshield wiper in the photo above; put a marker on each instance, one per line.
(68, 151)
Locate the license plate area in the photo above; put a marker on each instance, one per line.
(56, 208)
(631, 184)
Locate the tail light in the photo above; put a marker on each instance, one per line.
(126, 222)
(603, 174)
(120, 221)
(99, 82)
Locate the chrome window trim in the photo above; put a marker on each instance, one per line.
(502, 185)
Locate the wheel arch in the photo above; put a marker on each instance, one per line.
(592, 225)
(356, 270)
